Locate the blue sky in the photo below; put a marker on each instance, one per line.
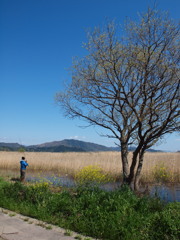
(38, 39)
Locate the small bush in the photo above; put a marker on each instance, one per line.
(15, 191)
(38, 193)
(162, 174)
(91, 174)
(165, 224)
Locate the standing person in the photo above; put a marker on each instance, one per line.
(23, 165)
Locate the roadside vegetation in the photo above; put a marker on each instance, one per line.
(88, 210)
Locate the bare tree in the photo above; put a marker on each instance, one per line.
(129, 86)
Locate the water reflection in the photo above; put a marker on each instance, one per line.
(166, 193)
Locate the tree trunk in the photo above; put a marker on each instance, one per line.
(131, 177)
(138, 171)
(132, 170)
(125, 165)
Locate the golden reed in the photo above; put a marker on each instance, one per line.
(70, 163)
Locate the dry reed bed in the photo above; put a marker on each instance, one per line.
(70, 163)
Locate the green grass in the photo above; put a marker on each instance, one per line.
(93, 212)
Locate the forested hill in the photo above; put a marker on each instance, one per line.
(66, 145)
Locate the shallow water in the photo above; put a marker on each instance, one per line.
(168, 193)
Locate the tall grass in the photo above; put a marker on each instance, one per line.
(71, 163)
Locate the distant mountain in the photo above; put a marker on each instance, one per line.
(70, 145)
(88, 146)
(66, 145)
(10, 146)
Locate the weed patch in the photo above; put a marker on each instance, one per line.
(162, 174)
(90, 175)
(94, 212)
